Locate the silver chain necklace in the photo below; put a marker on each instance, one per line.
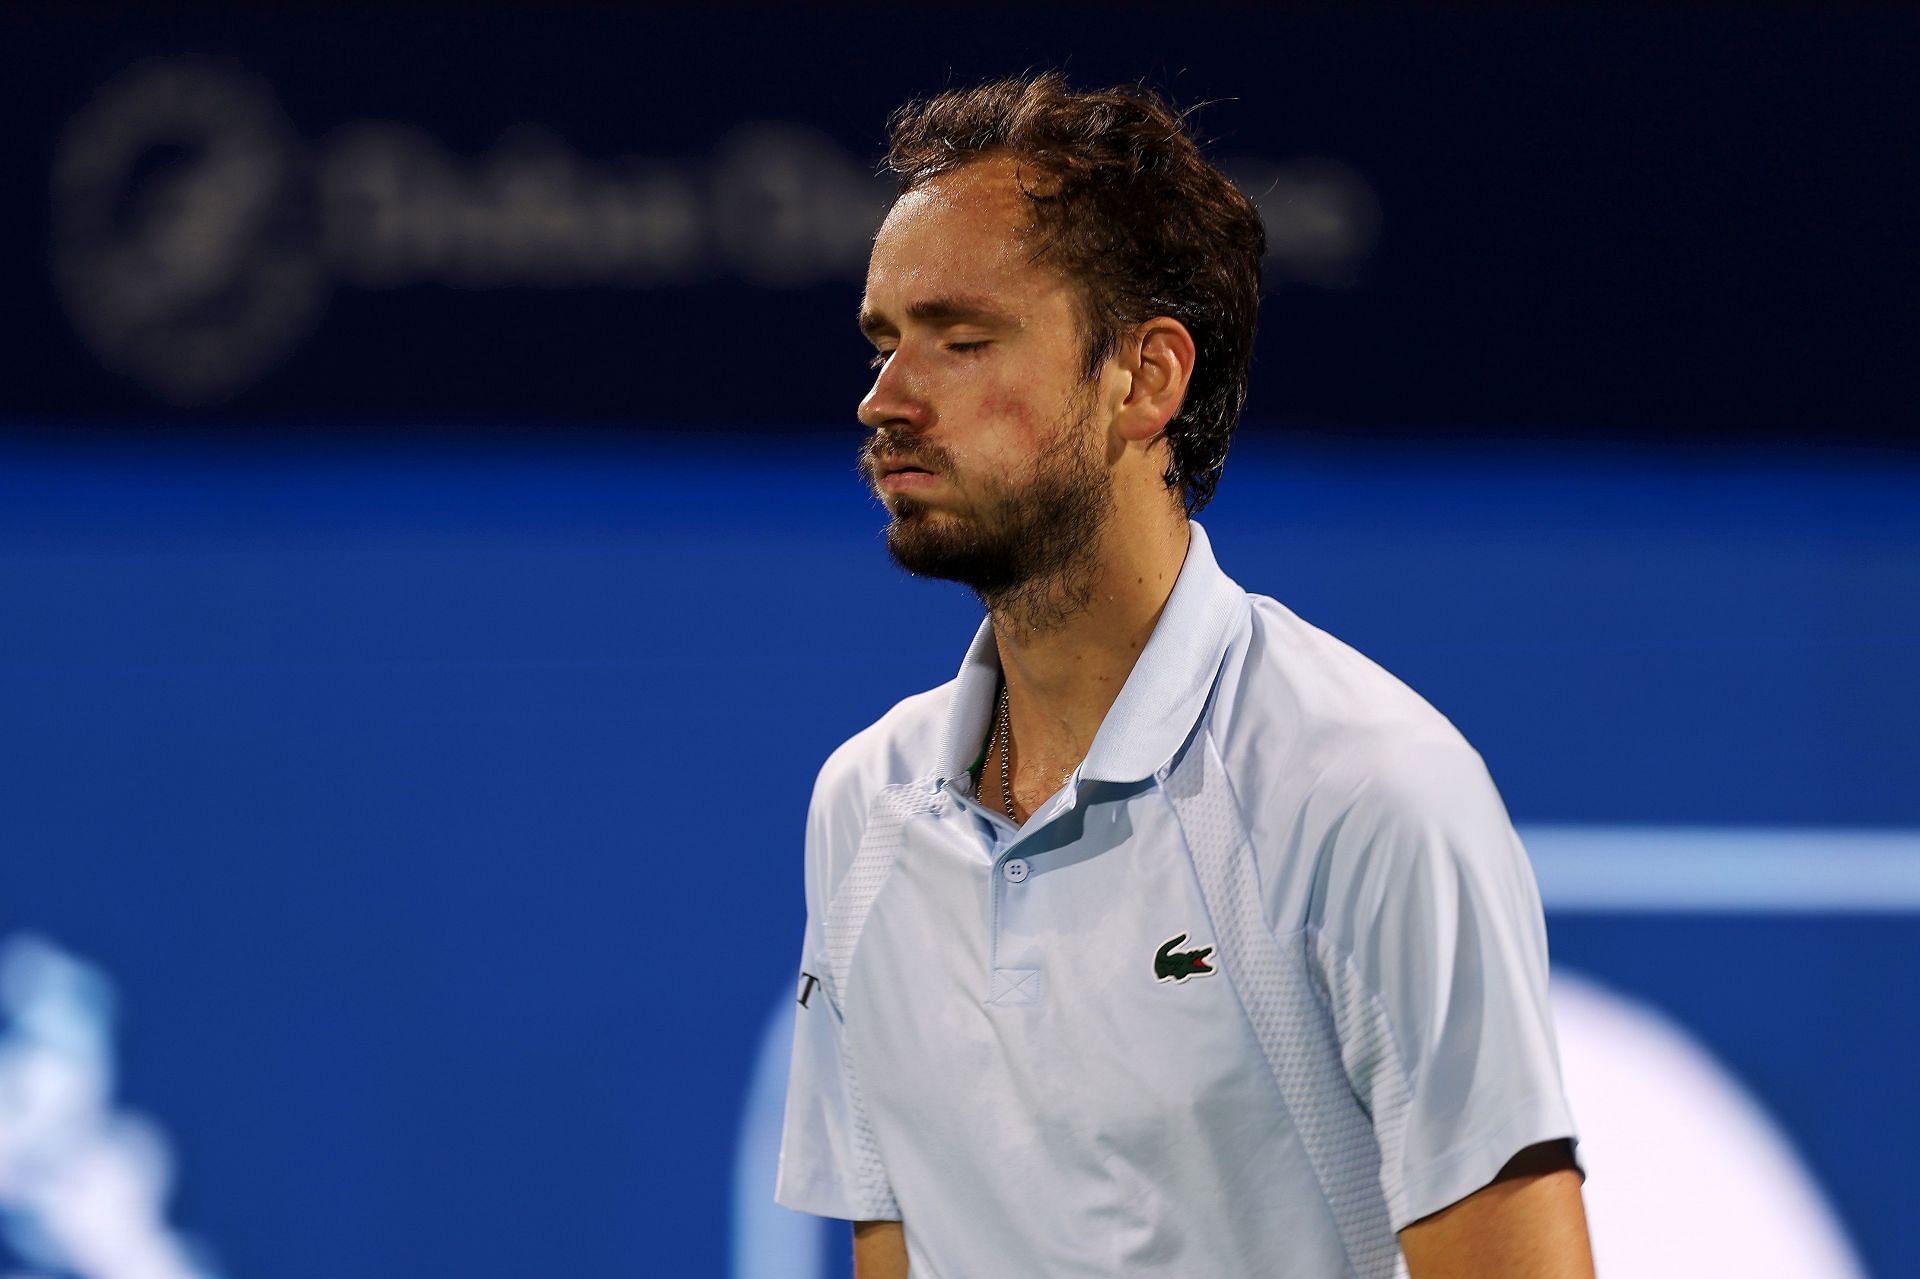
(1006, 773)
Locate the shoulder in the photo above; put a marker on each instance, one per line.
(900, 747)
(1342, 716)
(1355, 772)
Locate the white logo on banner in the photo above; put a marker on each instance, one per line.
(179, 248)
(83, 1187)
(197, 237)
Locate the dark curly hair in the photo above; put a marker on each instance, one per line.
(1127, 208)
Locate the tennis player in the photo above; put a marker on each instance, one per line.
(1172, 936)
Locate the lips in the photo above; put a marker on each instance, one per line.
(896, 476)
(899, 466)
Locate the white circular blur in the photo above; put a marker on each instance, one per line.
(1687, 1176)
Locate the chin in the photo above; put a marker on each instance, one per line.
(911, 513)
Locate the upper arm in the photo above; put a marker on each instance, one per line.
(1529, 1223)
(879, 1250)
(1431, 947)
(828, 1162)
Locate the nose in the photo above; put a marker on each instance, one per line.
(895, 399)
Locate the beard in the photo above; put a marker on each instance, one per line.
(1025, 544)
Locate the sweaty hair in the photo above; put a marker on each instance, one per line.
(1126, 207)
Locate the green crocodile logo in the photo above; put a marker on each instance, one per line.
(1178, 965)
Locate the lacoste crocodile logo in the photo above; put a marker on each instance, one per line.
(1178, 965)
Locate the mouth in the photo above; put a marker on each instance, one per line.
(888, 466)
(885, 466)
(895, 475)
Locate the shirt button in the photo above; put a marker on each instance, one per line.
(1016, 871)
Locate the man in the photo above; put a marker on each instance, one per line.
(1172, 937)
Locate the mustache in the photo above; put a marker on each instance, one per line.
(897, 449)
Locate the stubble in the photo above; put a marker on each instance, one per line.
(1027, 545)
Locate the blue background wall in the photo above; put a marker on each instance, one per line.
(435, 810)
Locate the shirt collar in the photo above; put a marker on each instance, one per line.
(1162, 698)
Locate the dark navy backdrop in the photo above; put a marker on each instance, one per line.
(1487, 222)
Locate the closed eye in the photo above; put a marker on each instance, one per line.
(880, 358)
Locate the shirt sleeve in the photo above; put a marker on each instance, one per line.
(826, 1165)
(1430, 948)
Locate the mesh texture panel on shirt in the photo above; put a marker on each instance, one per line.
(1371, 1056)
(880, 845)
(1294, 1029)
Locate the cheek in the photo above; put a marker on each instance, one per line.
(1010, 408)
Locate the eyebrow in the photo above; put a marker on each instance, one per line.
(942, 310)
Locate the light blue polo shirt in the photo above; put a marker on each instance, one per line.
(1265, 981)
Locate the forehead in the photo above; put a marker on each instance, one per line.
(966, 232)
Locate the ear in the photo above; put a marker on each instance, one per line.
(1159, 361)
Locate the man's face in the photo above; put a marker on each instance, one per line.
(987, 443)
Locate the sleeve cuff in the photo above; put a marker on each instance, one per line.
(821, 1193)
(1472, 1164)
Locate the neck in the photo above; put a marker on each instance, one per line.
(1067, 646)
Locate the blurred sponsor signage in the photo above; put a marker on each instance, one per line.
(1479, 223)
(197, 238)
